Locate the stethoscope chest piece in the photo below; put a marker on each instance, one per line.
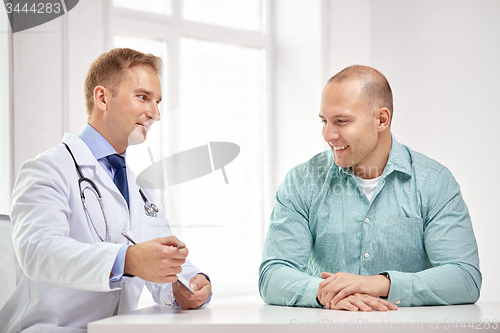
(150, 209)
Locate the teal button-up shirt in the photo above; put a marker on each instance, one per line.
(416, 228)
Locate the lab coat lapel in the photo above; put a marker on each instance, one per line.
(81, 152)
(90, 166)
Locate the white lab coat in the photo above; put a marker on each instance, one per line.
(63, 268)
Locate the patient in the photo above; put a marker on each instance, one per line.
(369, 224)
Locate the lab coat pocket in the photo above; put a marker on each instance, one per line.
(153, 227)
(402, 243)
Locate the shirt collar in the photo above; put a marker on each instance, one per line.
(399, 160)
(98, 145)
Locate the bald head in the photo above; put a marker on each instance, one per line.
(374, 86)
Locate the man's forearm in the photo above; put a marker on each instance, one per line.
(443, 285)
(283, 285)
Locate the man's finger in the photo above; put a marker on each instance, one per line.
(345, 305)
(389, 305)
(329, 294)
(361, 304)
(345, 292)
(376, 304)
(339, 287)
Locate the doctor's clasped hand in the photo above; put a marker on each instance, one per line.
(201, 291)
(159, 260)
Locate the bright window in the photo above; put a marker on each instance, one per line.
(149, 6)
(222, 89)
(239, 14)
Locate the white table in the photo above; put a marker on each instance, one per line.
(483, 317)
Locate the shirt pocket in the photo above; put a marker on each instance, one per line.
(402, 244)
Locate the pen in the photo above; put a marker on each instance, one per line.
(128, 235)
(131, 237)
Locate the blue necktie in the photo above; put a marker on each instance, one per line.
(120, 179)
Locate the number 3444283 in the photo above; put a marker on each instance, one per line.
(35, 8)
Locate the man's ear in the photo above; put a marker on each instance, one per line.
(384, 119)
(100, 98)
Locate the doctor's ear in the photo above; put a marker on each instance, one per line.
(100, 98)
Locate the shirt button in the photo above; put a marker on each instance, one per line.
(398, 301)
(367, 254)
(367, 220)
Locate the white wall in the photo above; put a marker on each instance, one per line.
(298, 70)
(441, 58)
(49, 65)
(4, 115)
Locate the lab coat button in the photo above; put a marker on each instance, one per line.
(398, 301)
(367, 220)
(367, 254)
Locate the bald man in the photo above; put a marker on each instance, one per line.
(369, 224)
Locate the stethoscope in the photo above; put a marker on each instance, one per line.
(85, 183)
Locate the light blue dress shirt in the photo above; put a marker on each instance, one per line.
(101, 148)
(416, 228)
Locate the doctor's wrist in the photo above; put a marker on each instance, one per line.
(118, 269)
(129, 267)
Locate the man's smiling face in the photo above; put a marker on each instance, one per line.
(349, 126)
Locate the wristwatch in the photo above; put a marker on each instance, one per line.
(387, 276)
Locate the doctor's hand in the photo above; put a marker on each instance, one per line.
(157, 260)
(337, 287)
(201, 287)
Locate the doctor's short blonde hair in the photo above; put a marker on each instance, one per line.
(110, 69)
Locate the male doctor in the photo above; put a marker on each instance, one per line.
(74, 265)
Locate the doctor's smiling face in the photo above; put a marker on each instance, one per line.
(125, 116)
